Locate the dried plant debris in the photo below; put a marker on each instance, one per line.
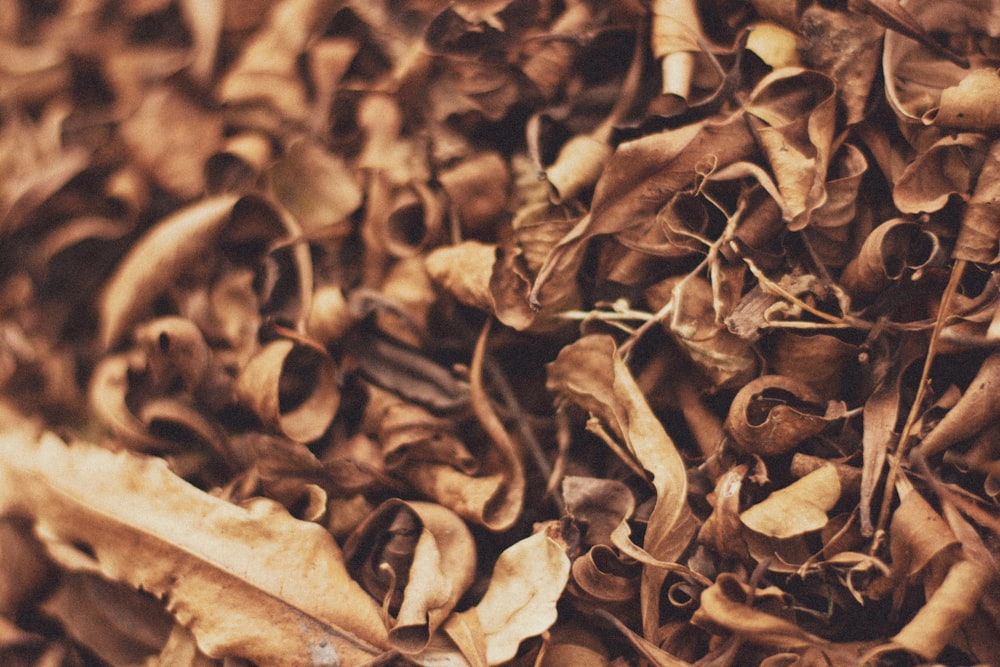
(508, 332)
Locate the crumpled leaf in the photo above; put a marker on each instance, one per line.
(266, 69)
(725, 606)
(917, 77)
(721, 355)
(947, 167)
(590, 373)
(792, 113)
(979, 236)
(420, 558)
(640, 177)
(296, 606)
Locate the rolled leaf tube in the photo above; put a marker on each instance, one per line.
(291, 388)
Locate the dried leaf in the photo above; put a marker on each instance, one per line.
(119, 624)
(317, 188)
(291, 388)
(772, 414)
(590, 373)
(895, 249)
(166, 250)
(798, 508)
(520, 602)
(418, 557)
(973, 412)
(641, 176)
(792, 113)
(950, 605)
(946, 168)
(979, 236)
(295, 606)
(171, 137)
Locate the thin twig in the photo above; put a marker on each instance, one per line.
(957, 270)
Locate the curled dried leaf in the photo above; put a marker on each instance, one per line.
(520, 602)
(292, 388)
(590, 372)
(419, 558)
(974, 411)
(723, 357)
(281, 606)
(478, 189)
(947, 167)
(464, 270)
(772, 414)
(792, 111)
(979, 236)
(917, 75)
(895, 249)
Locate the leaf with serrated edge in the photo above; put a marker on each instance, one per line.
(248, 581)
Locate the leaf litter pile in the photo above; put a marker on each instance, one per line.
(510, 332)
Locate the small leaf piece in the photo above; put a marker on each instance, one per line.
(798, 508)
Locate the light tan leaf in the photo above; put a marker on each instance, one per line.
(248, 581)
(798, 508)
(153, 262)
(952, 604)
(528, 580)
